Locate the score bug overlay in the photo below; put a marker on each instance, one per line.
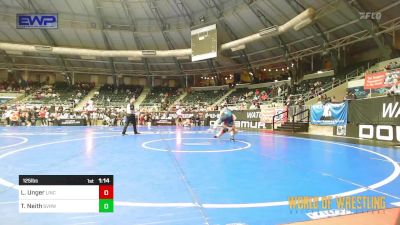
(66, 193)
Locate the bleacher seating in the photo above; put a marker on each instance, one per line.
(359, 92)
(246, 97)
(203, 97)
(314, 87)
(59, 94)
(162, 97)
(18, 86)
(239, 95)
(109, 96)
(10, 86)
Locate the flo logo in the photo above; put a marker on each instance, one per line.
(370, 15)
(37, 21)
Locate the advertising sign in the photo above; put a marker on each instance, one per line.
(331, 114)
(37, 21)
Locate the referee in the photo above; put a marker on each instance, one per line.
(130, 117)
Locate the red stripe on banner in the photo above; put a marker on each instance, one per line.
(381, 79)
(375, 80)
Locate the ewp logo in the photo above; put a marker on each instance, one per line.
(37, 21)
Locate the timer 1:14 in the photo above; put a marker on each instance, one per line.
(104, 180)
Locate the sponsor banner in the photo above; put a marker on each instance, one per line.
(164, 122)
(248, 124)
(378, 111)
(71, 122)
(374, 132)
(268, 114)
(244, 119)
(37, 21)
(341, 130)
(331, 114)
(380, 79)
(242, 115)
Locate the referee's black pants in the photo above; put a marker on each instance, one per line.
(130, 119)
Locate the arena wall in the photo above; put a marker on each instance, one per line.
(374, 119)
(320, 130)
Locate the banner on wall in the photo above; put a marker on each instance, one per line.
(242, 115)
(377, 111)
(330, 114)
(374, 119)
(256, 118)
(244, 118)
(381, 79)
(72, 122)
(389, 133)
(268, 114)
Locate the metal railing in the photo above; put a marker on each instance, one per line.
(301, 119)
(273, 118)
(293, 117)
(337, 82)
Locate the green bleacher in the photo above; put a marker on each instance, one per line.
(203, 97)
(110, 96)
(58, 94)
(157, 94)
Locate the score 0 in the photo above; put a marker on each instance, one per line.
(106, 195)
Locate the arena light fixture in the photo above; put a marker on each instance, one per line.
(268, 31)
(149, 52)
(238, 48)
(88, 57)
(303, 24)
(43, 48)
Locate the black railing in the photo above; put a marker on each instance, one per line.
(301, 119)
(273, 118)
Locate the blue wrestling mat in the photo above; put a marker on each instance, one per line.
(180, 176)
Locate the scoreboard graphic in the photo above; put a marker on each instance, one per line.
(66, 194)
(204, 43)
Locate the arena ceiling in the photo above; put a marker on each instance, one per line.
(166, 24)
